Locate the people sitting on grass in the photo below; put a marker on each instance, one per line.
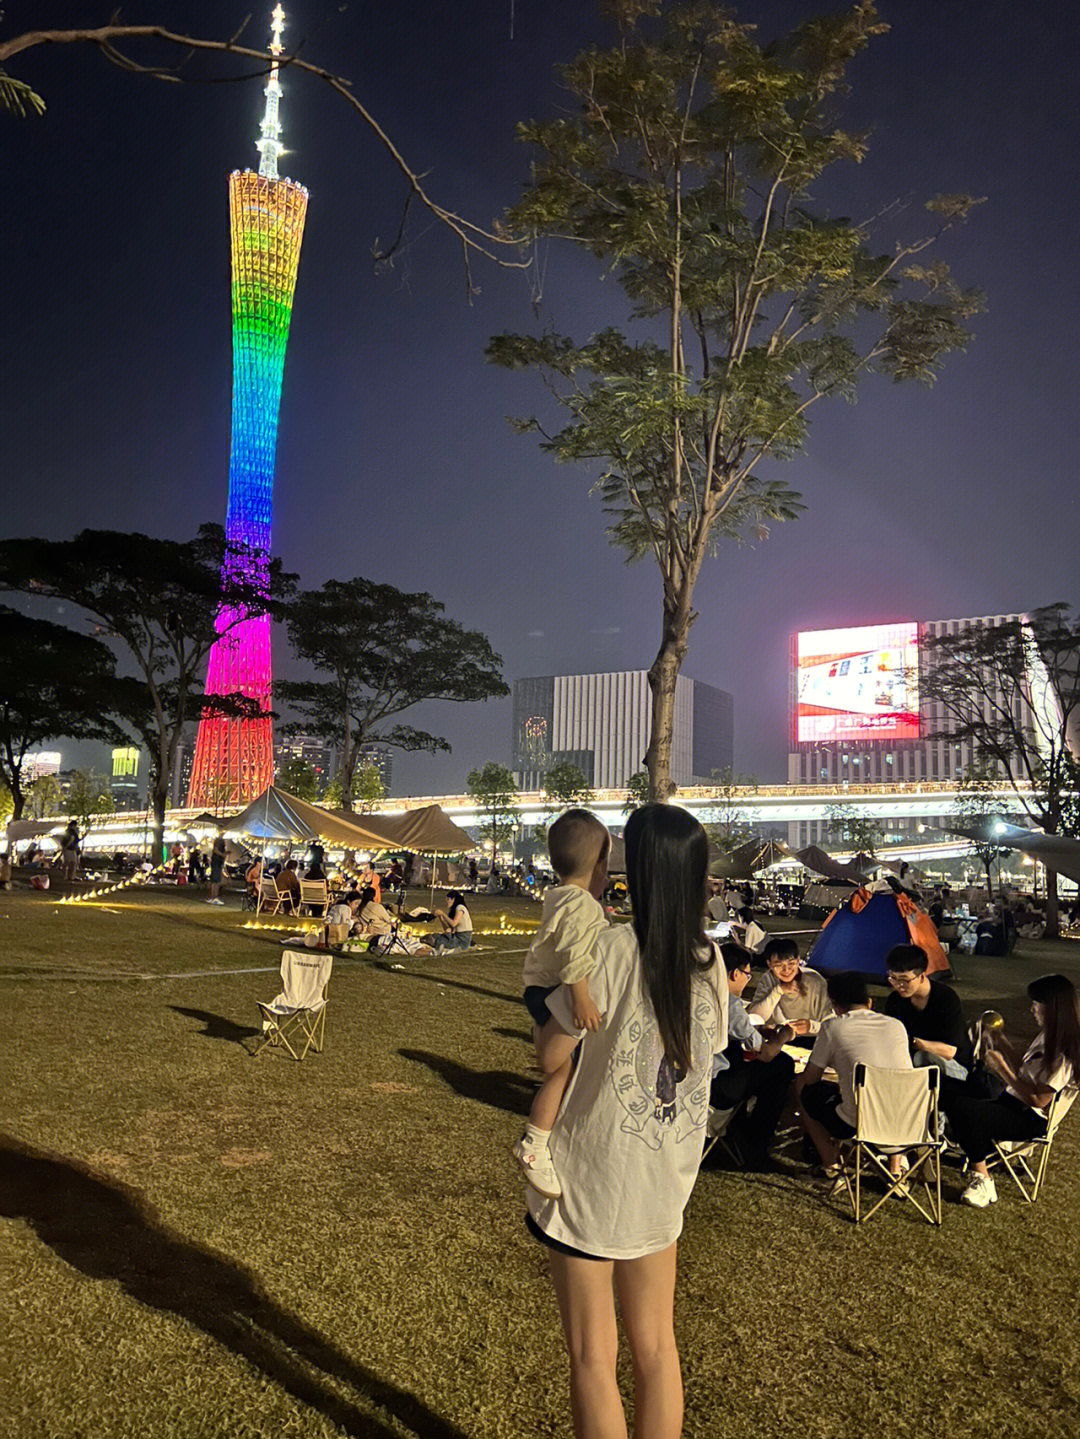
(1049, 1066)
(375, 920)
(456, 923)
(752, 1066)
(563, 953)
(790, 994)
(628, 1139)
(345, 910)
(930, 1013)
(856, 1035)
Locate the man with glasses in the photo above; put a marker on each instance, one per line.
(751, 1067)
(930, 1013)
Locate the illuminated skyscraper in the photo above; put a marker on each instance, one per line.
(234, 757)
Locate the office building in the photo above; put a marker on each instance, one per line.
(602, 722)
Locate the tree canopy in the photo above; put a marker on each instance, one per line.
(1012, 690)
(687, 164)
(495, 790)
(54, 682)
(165, 603)
(382, 651)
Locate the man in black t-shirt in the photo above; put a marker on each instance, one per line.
(930, 1013)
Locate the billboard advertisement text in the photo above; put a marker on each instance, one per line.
(857, 684)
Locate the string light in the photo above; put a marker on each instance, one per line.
(140, 877)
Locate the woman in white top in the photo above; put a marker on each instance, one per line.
(627, 1142)
(789, 994)
(456, 922)
(1050, 1065)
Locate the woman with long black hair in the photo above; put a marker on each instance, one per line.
(628, 1139)
(1050, 1065)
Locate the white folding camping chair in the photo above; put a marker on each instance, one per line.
(315, 896)
(895, 1110)
(270, 898)
(298, 1014)
(717, 1125)
(1014, 1154)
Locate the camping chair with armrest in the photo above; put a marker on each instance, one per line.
(1014, 1154)
(270, 897)
(298, 1014)
(315, 896)
(896, 1110)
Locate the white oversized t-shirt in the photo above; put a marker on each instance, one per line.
(627, 1143)
(1035, 1069)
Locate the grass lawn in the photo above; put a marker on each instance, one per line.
(197, 1243)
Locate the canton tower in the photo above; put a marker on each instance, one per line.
(234, 758)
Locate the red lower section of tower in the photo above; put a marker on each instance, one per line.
(234, 758)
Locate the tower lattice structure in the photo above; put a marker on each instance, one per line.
(234, 758)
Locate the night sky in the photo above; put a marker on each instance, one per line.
(395, 460)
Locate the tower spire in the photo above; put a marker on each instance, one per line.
(269, 144)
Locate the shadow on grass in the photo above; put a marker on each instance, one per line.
(216, 1025)
(501, 1088)
(451, 983)
(524, 1034)
(108, 1231)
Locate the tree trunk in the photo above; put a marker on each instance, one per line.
(348, 771)
(663, 677)
(1053, 918)
(159, 800)
(18, 801)
(989, 880)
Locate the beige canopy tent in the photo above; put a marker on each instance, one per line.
(280, 816)
(430, 830)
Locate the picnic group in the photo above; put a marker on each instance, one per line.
(641, 1028)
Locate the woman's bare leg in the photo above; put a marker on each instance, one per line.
(587, 1305)
(646, 1289)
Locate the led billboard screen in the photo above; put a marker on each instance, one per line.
(857, 684)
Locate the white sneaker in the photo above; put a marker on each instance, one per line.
(981, 1191)
(538, 1168)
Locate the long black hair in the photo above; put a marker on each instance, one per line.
(667, 857)
(1061, 1021)
(455, 897)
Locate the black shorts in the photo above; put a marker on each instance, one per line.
(557, 1244)
(536, 996)
(216, 872)
(820, 1101)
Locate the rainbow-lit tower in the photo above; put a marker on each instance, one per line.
(234, 757)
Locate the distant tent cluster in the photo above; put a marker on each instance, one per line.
(277, 815)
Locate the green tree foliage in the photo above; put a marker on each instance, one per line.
(688, 168)
(368, 787)
(846, 826)
(53, 683)
(298, 777)
(728, 830)
(44, 796)
(637, 791)
(1013, 692)
(88, 795)
(382, 651)
(159, 601)
(978, 808)
(495, 790)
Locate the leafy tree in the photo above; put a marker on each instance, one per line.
(298, 777)
(53, 682)
(7, 804)
(368, 787)
(165, 603)
(689, 173)
(495, 791)
(564, 785)
(978, 807)
(44, 796)
(637, 791)
(728, 830)
(382, 652)
(88, 795)
(1012, 691)
(848, 827)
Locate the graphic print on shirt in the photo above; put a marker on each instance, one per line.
(661, 1103)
